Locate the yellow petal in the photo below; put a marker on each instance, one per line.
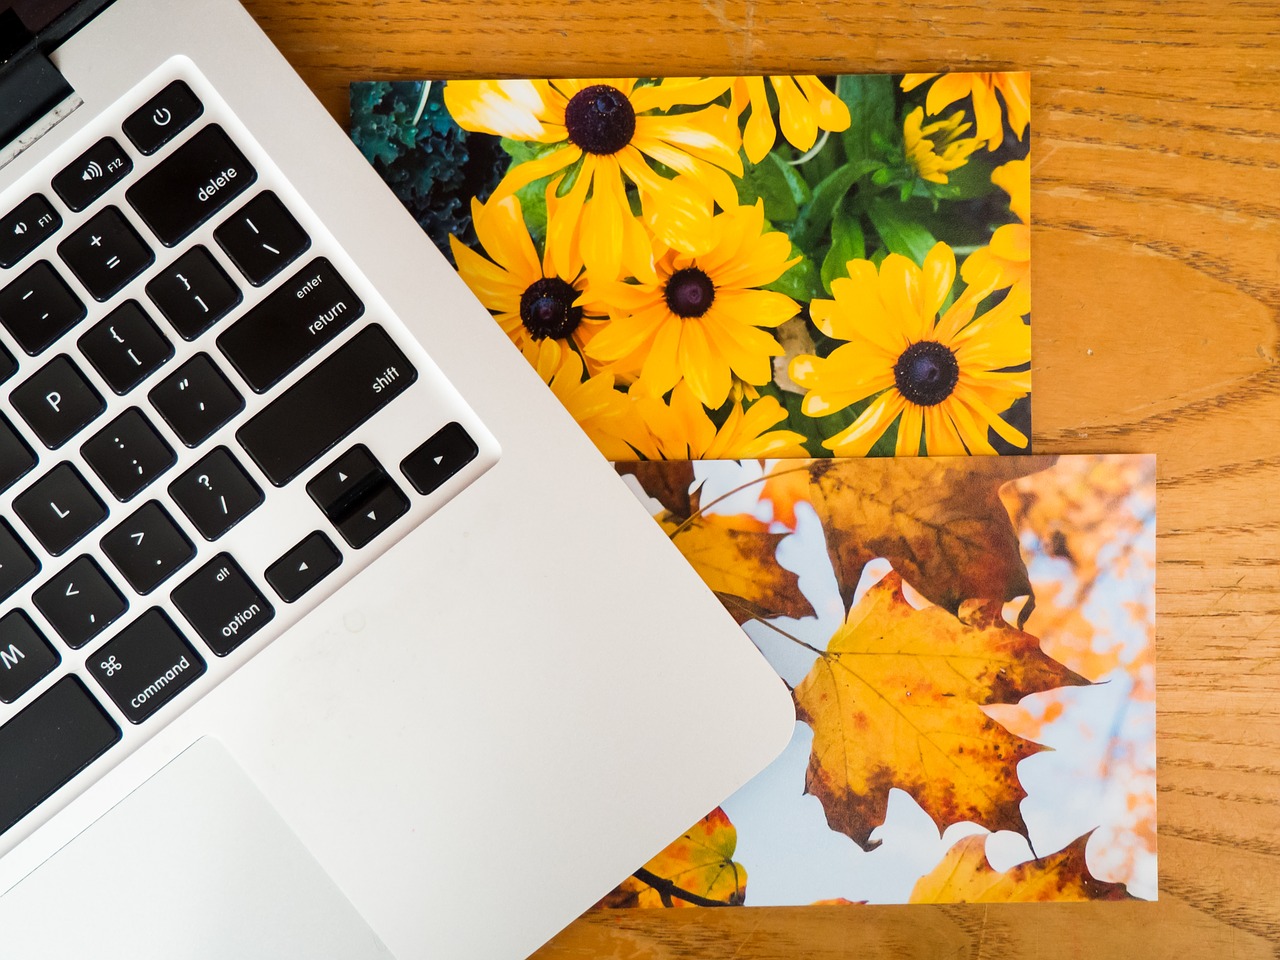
(504, 108)
(505, 238)
(760, 133)
(799, 120)
(909, 429)
(525, 173)
(563, 229)
(862, 434)
(900, 281)
(939, 273)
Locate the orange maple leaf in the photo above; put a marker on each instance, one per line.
(938, 521)
(698, 869)
(738, 560)
(895, 701)
(965, 876)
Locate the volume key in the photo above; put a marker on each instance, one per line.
(25, 227)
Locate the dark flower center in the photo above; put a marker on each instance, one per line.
(600, 119)
(926, 373)
(547, 310)
(690, 292)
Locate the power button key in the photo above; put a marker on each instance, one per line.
(163, 117)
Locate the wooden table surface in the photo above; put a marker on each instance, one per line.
(1156, 209)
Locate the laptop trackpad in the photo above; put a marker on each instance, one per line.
(195, 863)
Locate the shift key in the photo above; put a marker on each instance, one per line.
(309, 418)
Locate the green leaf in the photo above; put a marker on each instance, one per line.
(966, 183)
(870, 100)
(897, 233)
(764, 181)
(800, 282)
(570, 177)
(847, 243)
(827, 197)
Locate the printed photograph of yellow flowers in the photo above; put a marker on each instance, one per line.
(735, 267)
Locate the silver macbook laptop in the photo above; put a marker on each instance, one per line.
(324, 632)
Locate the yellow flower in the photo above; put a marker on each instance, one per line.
(938, 148)
(610, 127)
(700, 320)
(947, 378)
(805, 106)
(605, 414)
(682, 430)
(529, 297)
(1006, 261)
(1015, 88)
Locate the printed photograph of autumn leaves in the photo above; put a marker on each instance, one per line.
(970, 647)
(727, 269)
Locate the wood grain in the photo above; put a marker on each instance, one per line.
(1156, 207)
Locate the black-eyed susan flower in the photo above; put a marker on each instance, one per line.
(935, 149)
(701, 320)
(531, 298)
(600, 134)
(1006, 260)
(681, 430)
(606, 415)
(1014, 88)
(945, 378)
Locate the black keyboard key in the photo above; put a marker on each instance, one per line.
(162, 117)
(125, 347)
(25, 656)
(8, 365)
(196, 400)
(17, 564)
(16, 458)
(127, 454)
(223, 605)
(303, 567)
(60, 509)
(106, 253)
(216, 493)
(293, 323)
(148, 547)
(379, 510)
(80, 602)
(448, 451)
(357, 496)
(193, 293)
(39, 307)
(57, 401)
(92, 174)
(43, 747)
(192, 184)
(311, 417)
(25, 227)
(262, 238)
(146, 665)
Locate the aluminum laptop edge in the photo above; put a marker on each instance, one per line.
(466, 743)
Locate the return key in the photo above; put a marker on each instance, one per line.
(297, 320)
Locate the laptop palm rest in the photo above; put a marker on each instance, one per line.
(196, 841)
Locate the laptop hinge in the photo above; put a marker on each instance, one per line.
(30, 87)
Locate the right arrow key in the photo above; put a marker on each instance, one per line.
(448, 451)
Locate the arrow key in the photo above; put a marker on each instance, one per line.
(304, 566)
(375, 512)
(80, 602)
(444, 454)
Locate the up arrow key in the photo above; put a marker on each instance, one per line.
(303, 566)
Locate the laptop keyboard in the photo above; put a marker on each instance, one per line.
(208, 422)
